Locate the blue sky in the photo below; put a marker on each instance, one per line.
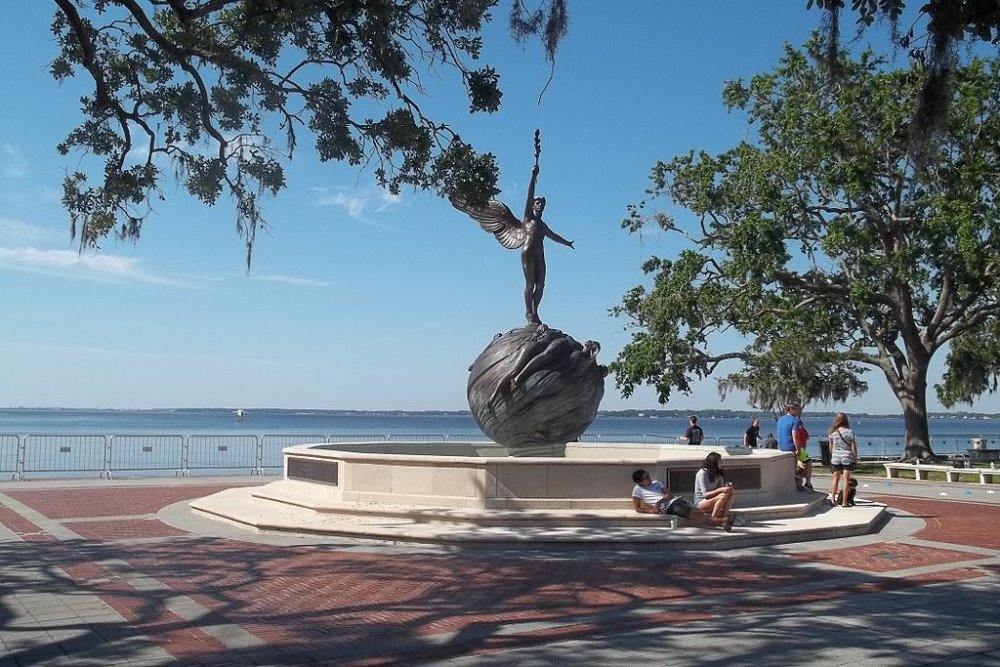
(358, 300)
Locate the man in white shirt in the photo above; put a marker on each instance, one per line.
(649, 496)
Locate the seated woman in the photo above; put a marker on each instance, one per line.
(712, 494)
(650, 496)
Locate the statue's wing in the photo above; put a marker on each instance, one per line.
(496, 219)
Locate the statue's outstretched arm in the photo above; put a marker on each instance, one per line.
(558, 239)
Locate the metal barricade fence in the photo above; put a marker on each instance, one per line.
(10, 455)
(357, 437)
(612, 438)
(949, 444)
(467, 437)
(657, 439)
(147, 452)
(593, 437)
(62, 453)
(633, 439)
(222, 452)
(271, 446)
(415, 437)
(82, 453)
(871, 447)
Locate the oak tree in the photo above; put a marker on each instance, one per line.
(219, 93)
(821, 244)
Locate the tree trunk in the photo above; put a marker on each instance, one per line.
(913, 399)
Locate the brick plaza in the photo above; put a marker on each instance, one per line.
(123, 573)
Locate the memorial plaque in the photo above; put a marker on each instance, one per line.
(312, 470)
(681, 480)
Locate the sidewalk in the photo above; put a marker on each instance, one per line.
(121, 572)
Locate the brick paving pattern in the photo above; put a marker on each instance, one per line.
(953, 522)
(123, 529)
(160, 595)
(888, 557)
(111, 502)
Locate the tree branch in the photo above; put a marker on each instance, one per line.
(183, 61)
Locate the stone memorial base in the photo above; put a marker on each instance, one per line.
(476, 493)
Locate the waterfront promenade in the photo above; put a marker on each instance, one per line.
(121, 572)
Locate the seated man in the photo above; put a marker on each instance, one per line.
(651, 497)
(803, 467)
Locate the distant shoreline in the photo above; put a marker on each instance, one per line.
(630, 413)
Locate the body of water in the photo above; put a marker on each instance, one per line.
(877, 436)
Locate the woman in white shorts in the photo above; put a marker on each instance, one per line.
(843, 456)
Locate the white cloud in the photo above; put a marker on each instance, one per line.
(292, 280)
(358, 204)
(12, 165)
(21, 194)
(26, 232)
(71, 264)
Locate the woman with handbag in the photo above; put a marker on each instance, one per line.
(843, 456)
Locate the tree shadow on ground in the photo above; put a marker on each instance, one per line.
(325, 603)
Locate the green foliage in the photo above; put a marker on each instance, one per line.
(205, 88)
(932, 43)
(973, 365)
(779, 372)
(822, 249)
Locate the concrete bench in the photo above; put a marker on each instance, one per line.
(988, 476)
(919, 470)
(951, 473)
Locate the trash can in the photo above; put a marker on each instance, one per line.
(824, 452)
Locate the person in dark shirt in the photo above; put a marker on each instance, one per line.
(753, 433)
(694, 434)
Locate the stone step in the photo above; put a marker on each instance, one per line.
(597, 513)
(472, 527)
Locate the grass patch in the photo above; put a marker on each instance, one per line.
(869, 469)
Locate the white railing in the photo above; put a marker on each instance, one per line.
(107, 456)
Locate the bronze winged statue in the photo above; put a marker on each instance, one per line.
(528, 234)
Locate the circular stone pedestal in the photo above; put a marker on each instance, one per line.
(472, 493)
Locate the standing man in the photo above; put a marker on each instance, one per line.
(694, 434)
(752, 434)
(788, 425)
